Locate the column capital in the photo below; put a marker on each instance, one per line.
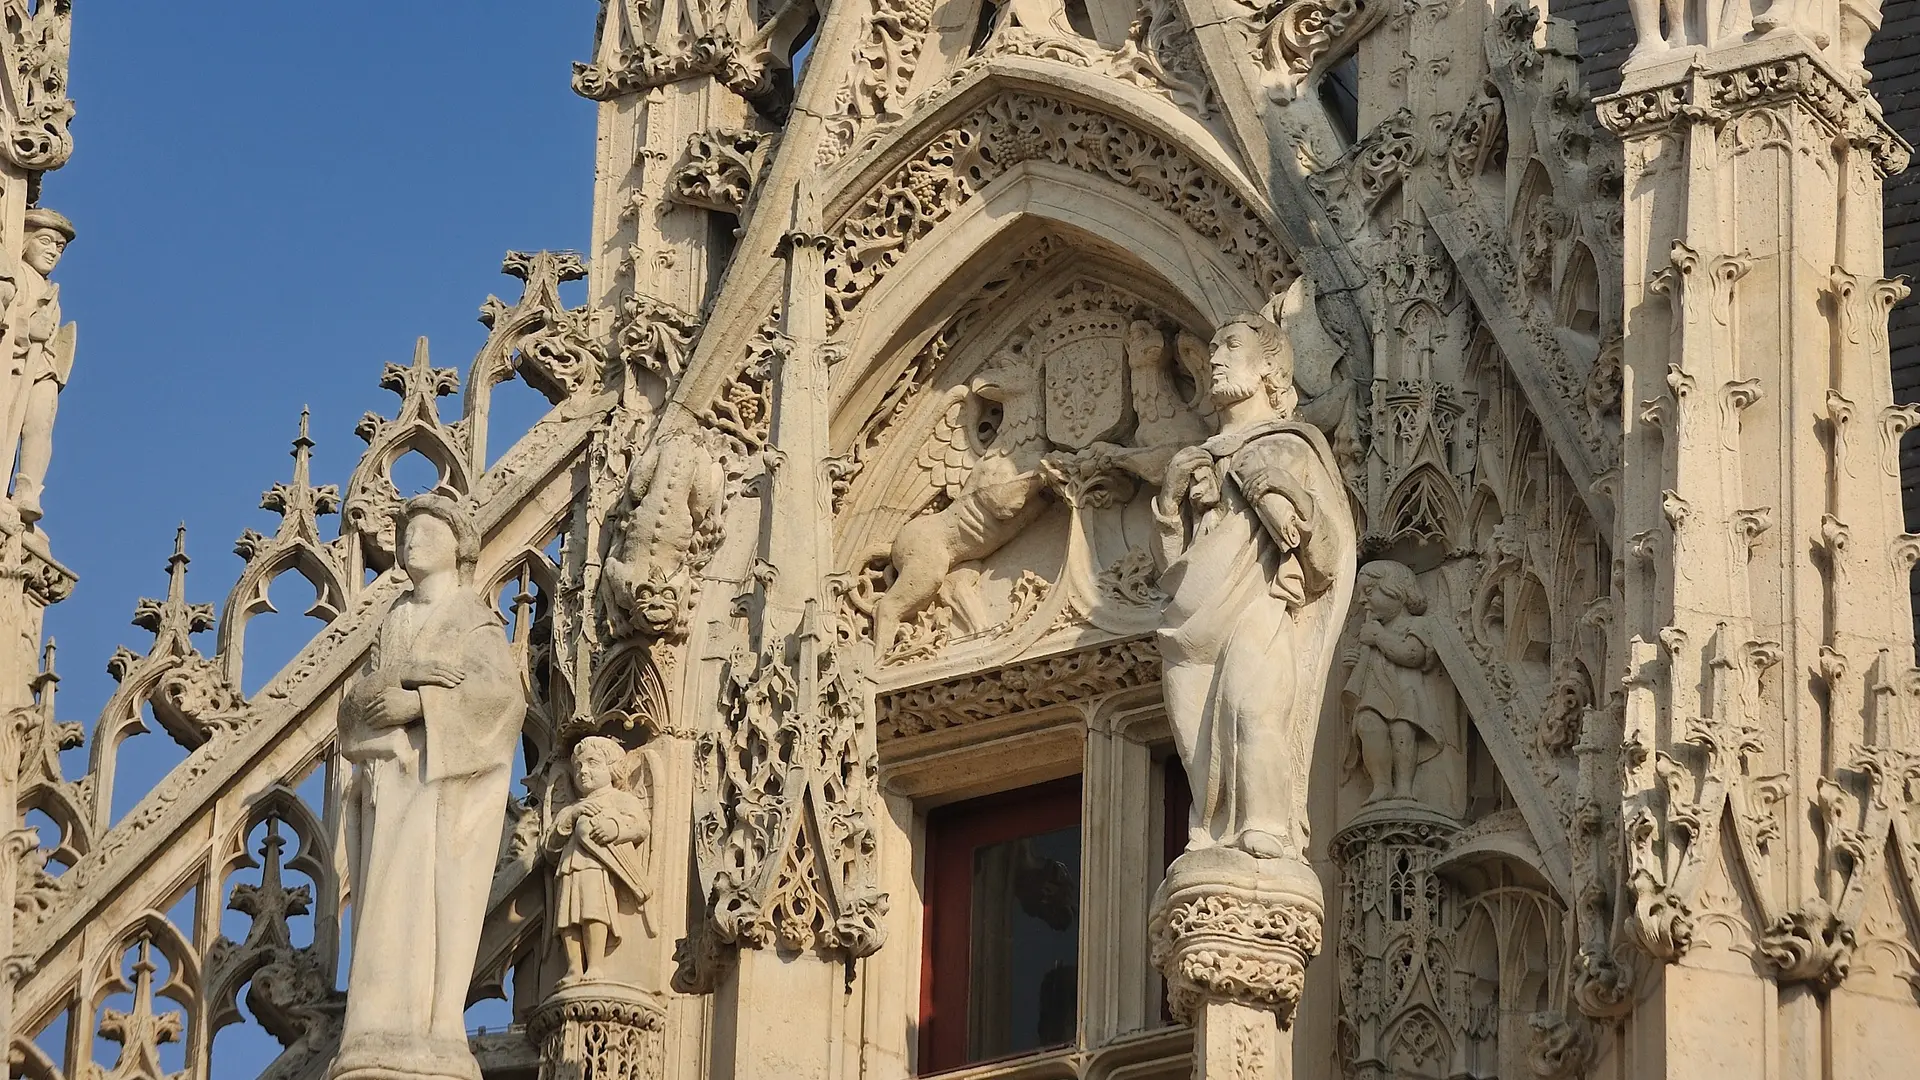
(1228, 928)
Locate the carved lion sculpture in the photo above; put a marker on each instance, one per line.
(666, 526)
(992, 489)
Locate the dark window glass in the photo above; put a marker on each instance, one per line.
(1001, 967)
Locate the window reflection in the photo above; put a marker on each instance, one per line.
(1025, 944)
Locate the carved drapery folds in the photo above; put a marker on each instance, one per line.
(38, 35)
(784, 828)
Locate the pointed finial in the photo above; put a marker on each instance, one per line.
(420, 355)
(46, 657)
(302, 453)
(177, 567)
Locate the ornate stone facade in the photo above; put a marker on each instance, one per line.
(1430, 533)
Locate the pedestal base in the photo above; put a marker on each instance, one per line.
(599, 1031)
(397, 1058)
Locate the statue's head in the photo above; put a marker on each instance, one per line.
(1250, 359)
(1389, 588)
(593, 760)
(435, 537)
(47, 235)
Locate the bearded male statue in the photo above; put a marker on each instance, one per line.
(1256, 538)
(430, 725)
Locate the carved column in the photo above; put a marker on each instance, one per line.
(34, 139)
(1393, 911)
(30, 582)
(682, 87)
(1232, 935)
(1765, 635)
(785, 789)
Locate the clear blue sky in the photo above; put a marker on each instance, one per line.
(273, 201)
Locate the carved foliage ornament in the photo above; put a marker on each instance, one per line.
(1294, 39)
(784, 831)
(875, 234)
(38, 35)
(720, 168)
(1234, 945)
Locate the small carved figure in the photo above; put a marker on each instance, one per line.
(600, 863)
(1400, 716)
(429, 725)
(666, 527)
(993, 493)
(1257, 538)
(40, 351)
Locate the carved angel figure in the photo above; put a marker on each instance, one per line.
(666, 526)
(598, 841)
(1401, 716)
(993, 491)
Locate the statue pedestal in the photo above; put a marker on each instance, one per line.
(593, 1030)
(1232, 934)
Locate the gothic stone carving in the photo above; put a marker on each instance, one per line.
(664, 529)
(720, 168)
(1227, 927)
(599, 843)
(430, 726)
(34, 49)
(875, 234)
(784, 832)
(1402, 712)
(992, 490)
(1243, 717)
(41, 352)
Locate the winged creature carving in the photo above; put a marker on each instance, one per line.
(991, 476)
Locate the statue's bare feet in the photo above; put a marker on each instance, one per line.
(1260, 844)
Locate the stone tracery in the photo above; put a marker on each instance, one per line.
(798, 551)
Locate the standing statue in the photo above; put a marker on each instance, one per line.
(1256, 536)
(599, 874)
(1402, 713)
(430, 725)
(41, 351)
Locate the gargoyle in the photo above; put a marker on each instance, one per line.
(666, 527)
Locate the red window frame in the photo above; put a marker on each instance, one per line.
(954, 833)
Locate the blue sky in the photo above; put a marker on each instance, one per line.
(273, 201)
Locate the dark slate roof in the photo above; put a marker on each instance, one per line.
(1606, 36)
